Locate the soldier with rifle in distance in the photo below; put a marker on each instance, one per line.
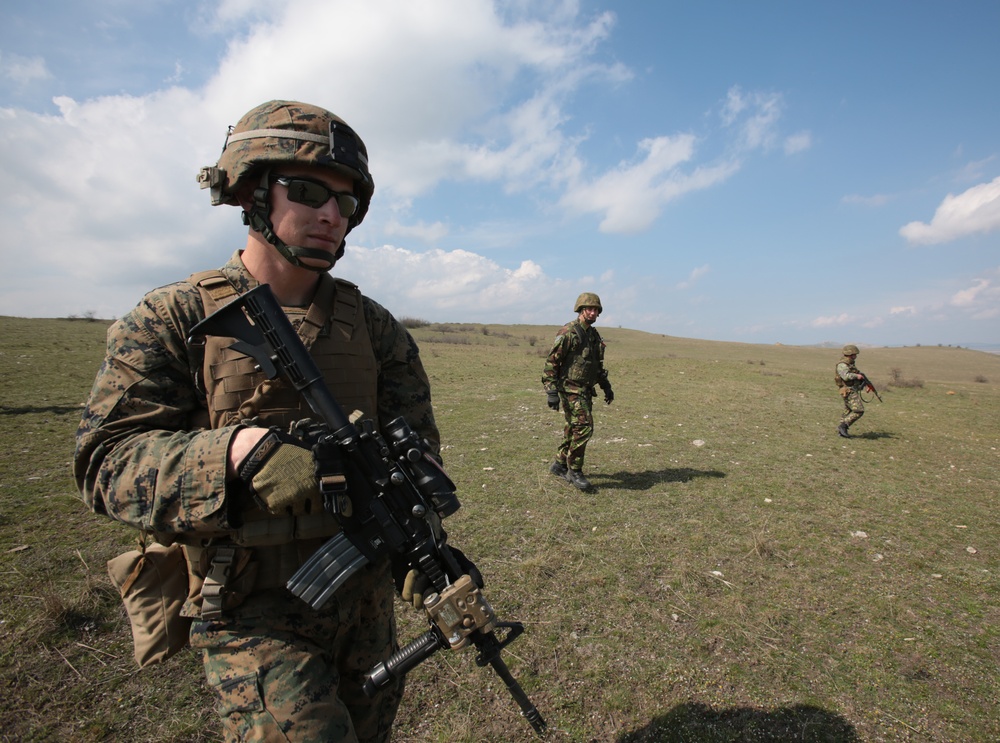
(240, 452)
(851, 382)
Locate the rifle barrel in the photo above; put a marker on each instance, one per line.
(489, 652)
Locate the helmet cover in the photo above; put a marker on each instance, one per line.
(588, 299)
(288, 132)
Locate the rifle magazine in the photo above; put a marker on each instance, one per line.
(326, 571)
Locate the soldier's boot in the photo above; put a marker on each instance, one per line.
(577, 480)
(842, 430)
(558, 469)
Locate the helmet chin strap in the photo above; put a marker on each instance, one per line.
(258, 218)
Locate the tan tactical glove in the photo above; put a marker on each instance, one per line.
(282, 475)
(414, 587)
(410, 583)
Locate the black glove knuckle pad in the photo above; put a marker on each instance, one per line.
(262, 451)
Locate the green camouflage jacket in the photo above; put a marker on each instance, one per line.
(576, 361)
(141, 459)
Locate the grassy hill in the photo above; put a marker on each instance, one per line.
(740, 573)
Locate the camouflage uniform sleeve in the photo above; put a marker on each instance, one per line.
(600, 346)
(403, 386)
(552, 371)
(141, 457)
(845, 373)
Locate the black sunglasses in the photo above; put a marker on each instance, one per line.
(311, 193)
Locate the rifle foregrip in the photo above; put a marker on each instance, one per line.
(401, 662)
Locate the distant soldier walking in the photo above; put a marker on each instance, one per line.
(574, 365)
(851, 382)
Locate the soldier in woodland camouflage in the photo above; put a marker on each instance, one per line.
(850, 382)
(572, 369)
(190, 443)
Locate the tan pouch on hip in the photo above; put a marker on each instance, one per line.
(153, 583)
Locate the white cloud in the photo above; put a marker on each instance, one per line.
(755, 114)
(976, 210)
(969, 297)
(23, 70)
(976, 170)
(427, 233)
(106, 191)
(831, 321)
(455, 285)
(693, 277)
(875, 200)
(477, 92)
(799, 142)
(632, 196)
(981, 301)
(907, 310)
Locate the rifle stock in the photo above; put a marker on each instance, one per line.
(391, 506)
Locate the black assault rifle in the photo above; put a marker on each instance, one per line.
(389, 497)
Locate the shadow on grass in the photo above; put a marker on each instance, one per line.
(700, 722)
(872, 435)
(58, 409)
(647, 480)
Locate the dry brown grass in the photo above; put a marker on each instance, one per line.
(773, 583)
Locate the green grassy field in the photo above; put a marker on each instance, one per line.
(741, 573)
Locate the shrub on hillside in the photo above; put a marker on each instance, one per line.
(413, 322)
(897, 379)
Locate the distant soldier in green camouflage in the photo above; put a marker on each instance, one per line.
(850, 382)
(191, 442)
(574, 365)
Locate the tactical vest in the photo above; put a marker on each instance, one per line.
(586, 356)
(850, 368)
(336, 334)
(334, 331)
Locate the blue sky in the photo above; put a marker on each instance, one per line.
(766, 172)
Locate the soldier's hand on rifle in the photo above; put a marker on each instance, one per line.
(410, 583)
(282, 475)
(467, 566)
(552, 399)
(414, 587)
(609, 394)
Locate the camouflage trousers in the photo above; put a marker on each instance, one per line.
(283, 671)
(579, 429)
(854, 408)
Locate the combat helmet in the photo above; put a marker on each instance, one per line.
(851, 350)
(588, 299)
(279, 133)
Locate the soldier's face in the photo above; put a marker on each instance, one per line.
(295, 223)
(589, 315)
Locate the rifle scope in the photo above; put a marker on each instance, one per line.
(432, 481)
